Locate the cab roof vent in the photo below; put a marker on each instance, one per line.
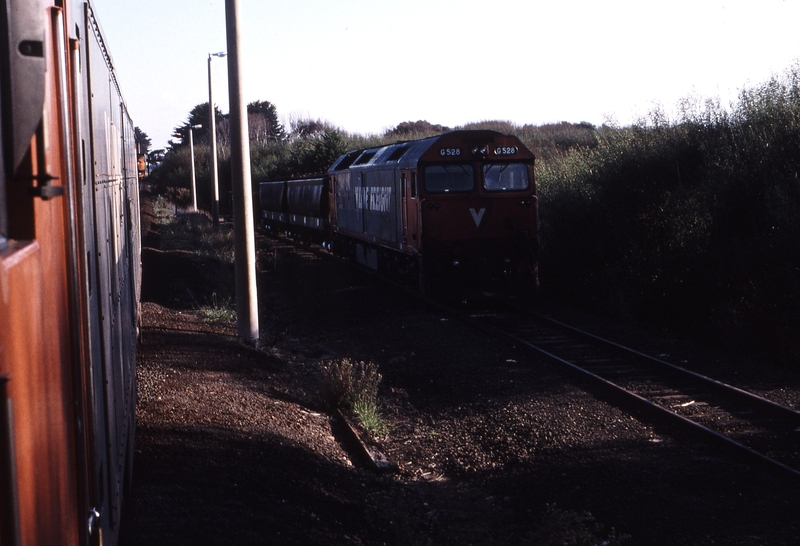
(397, 153)
(346, 161)
(365, 157)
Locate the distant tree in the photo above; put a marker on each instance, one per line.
(314, 155)
(307, 128)
(156, 157)
(142, 141)
(223, 131)
(262, 119)
(329, 148)
(414, 128)
(197, 116)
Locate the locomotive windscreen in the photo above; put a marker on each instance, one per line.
(505, 177)
(449, 178)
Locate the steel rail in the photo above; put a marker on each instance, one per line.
(653, 407)
(721, 386)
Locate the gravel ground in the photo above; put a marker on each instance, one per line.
(493, 446)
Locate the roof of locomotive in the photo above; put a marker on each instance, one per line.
(406, 154)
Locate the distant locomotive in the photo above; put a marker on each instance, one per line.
(456, 213)
(69, 278)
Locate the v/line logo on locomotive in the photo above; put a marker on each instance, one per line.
(377, 199)
(477, 215)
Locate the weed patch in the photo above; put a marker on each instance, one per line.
(367, 412)
(218, 310)
(353, 387)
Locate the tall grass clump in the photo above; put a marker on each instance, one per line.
(352, 386)
(693, 224)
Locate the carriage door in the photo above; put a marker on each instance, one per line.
(408, 183)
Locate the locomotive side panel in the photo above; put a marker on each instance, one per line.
(379, 203)
(349, 216)
(368, 206)
(91, 381)
(115, 206)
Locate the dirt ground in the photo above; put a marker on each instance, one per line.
(236, 445)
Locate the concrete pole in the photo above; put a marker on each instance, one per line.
(213, 123)
(194, 185)
(243, 222)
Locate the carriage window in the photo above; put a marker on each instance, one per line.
(449, 178)
(505, 177)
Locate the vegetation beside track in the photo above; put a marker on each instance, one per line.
(690, 224)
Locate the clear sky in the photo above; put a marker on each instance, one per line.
(367, 65)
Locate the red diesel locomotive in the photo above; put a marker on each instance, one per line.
(457, 213)
(69, 278)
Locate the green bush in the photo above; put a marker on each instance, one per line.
(692, 224)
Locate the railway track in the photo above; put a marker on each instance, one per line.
(762, 430)
(749, 425)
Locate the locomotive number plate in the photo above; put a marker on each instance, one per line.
(505, 150)
(449, 152)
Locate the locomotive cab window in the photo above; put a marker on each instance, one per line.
(449, 178)
(505, 177)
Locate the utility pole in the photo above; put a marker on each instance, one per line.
(194, 184)
(212, 114)
(243, 229)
